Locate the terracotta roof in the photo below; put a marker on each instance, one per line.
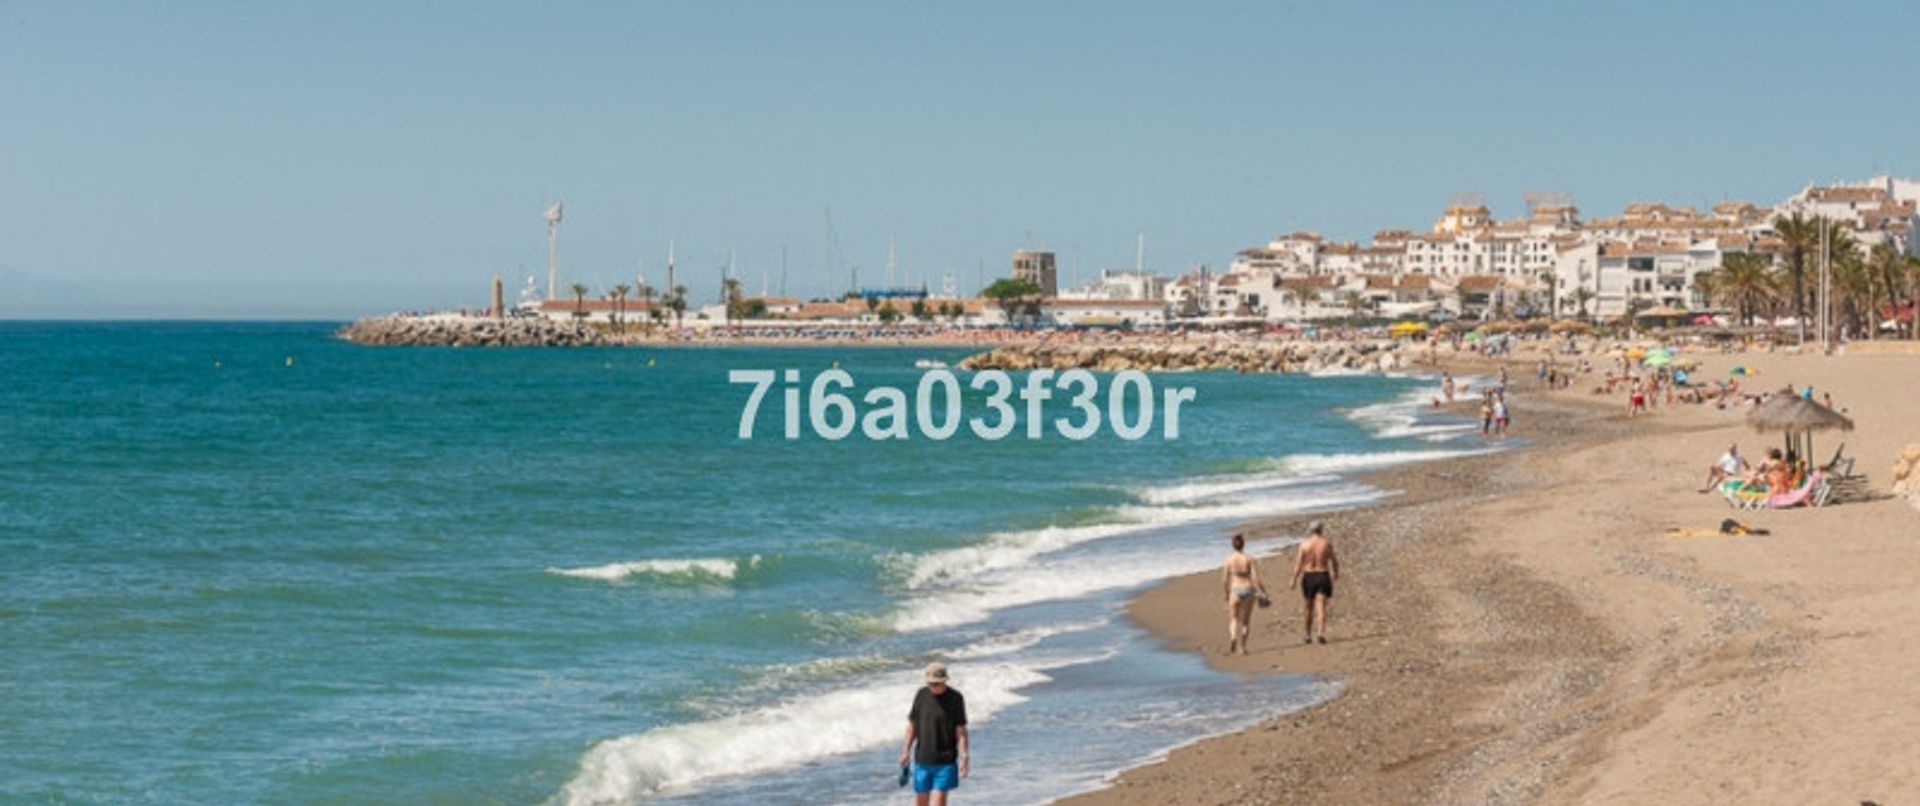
(1310, 281)
(1479, 282)
(1404, 282)
(1847, 194)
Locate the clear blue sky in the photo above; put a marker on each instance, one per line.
(329, 159)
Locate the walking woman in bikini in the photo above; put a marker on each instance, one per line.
(1240, 582)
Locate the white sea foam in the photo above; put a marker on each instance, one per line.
(1401, 419)
(862, 715)
(1360, 462)
(721, 568)
(996, 582)
(1008, 549)
(1208, 487)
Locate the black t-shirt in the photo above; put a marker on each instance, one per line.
(934, 719)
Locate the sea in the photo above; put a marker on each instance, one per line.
(248, 562)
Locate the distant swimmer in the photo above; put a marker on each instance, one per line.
(1315, 569)
(1240, 582)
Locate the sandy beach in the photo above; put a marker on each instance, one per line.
(1521, 628)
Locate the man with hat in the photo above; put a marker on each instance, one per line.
(937, 723)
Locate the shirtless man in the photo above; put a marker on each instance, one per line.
(1240, 582)
(1315, 569)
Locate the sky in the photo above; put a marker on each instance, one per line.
(333, 159)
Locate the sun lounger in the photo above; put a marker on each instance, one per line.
(1741, 496)
(1841, 465)
(1811, 493)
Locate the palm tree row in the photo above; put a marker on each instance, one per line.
(1865, 284)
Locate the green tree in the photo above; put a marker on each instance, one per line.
(646, 295)
(619, 294)
(1800, 244)
(678, 304)
(919, 310)
(730, 296)
(1744, 280)
(889, 314)
(1582, 296)
(1013, 294)
(579, 300)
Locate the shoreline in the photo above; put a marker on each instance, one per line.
(1515, 627)
(1378, 608)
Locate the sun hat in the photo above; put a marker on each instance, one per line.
(936, 672)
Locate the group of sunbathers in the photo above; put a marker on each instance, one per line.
(1775, 473)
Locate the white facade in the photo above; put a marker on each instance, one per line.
(1104, 313)
(1119, 284)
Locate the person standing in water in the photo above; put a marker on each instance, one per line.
(1240, 582)
(936, 739)
(1315, 569)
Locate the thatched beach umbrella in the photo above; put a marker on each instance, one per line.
(1798, 418)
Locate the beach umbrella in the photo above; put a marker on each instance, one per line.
(1472, 336)
(1657, 359)
(1798, 418)
(1739, 371)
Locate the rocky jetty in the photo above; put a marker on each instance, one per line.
(469, 331)
(1264, 356)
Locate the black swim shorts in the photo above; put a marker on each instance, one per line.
(1316, 583)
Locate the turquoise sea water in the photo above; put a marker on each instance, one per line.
(519, 576)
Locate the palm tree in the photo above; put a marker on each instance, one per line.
(1582, 296)
(646, 295)
(1841, 248)
(579, 300)
(730, 298)
(1552, 279)
(1853, 280)
(1911, 266)
(1884, 261)
(1355, 303)
(1800, 241)
(620, 305)
(678, 302)
(1744, 279)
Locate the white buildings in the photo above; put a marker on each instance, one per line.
(1104, 312)
(1119, 284)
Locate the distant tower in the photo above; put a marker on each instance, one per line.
(499, 309)
(553, 248)
(1037, 268)
(669, 289)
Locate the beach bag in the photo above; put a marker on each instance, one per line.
(1263, 599)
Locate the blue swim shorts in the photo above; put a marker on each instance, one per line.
(936, 777)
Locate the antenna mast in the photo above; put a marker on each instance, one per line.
(554, 215)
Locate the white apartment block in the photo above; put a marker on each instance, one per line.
(1119, 284)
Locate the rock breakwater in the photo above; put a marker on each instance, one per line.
(468, 331)
(1275, 356)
